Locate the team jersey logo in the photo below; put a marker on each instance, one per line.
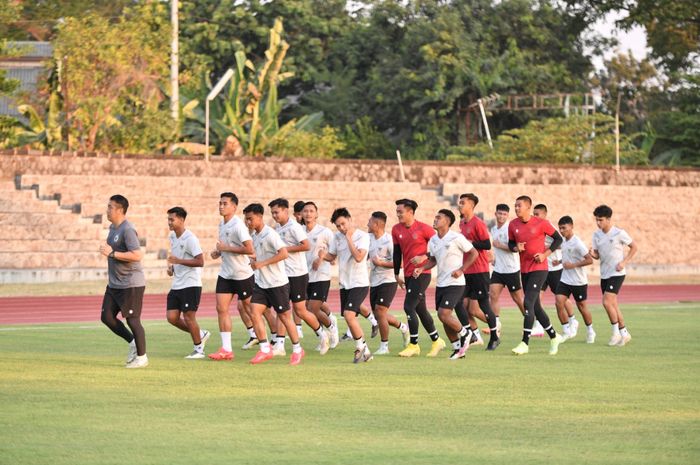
(415, 236)
(116, 238)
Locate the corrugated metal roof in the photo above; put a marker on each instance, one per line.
(27, 72)
(34, 49)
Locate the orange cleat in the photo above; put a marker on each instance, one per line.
(261, 357)
(221, 354)
(296, 357)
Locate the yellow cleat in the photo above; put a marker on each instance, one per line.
(410, 351)
(521, 349)
(437, 346)
(554, 344)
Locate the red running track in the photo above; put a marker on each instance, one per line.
(37, 310)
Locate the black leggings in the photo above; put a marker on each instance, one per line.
(109, 318)
(414, 304)
(532, 284)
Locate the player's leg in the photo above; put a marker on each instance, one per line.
(108, 316)
(133, 300)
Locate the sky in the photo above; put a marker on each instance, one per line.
(634, 39)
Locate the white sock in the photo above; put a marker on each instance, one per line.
(565, 328)
(199, 347)
(624, 331)
(265, 347)
(498, 320)
(300, 328)
(251, 332)
(296, 348)
(590, 328)
(360, 343)
(456, 345)
(616, 328)
(226, 341)
(132, 343)
(348, 333)
(572, 318)
(279, 341)
(403, 327)
(477, 332)
(384, 345)
(372, 319)
(319, 332)
(201, 333)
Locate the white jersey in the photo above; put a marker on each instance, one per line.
(292, 233)
(267, 243)
(382, 248)
(320, 238)
(351, 273)
(556, 255)
(185, 247)
(449, 254)
(233, 265)
(611, 248)
(504, 262)
(573, 251)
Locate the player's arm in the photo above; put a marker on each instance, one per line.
(382, 263)
(357, 254)
(428, 264)
(281, 254)
(302, 247)
(501, 245)
(484, 242)
(631, 253)
(196, 262)
(397, 259)
(245, 249)
(130, 256)
(556, 243)
(587, 260)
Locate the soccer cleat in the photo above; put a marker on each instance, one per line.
(410, 350)
(296, 357)
(221, 354)
(590, 338)
(195, 355)
(132, 353)
(300, 332)
(554, 344)
(278, 350)
(476, 340)
(437, 346)
(615, 339)
(375, 331)
(346, 338)
(382, 351)
(406, 335)
(252, 342)
(324, 345)
(456, 354)
(573, 329)
(537, 330)
(205, 337)
(141, 361)
(260, 357)
(624, 339)
(362, 355)
(521, 349)
(498, 328)
(493, 343)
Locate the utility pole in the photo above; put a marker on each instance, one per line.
(174, 63)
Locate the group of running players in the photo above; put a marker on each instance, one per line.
(288, 267)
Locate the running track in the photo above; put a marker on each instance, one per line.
(38, 310)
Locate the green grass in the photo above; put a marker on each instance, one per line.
(67, 400)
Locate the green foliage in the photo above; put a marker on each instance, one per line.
(363, 140)
(324, 144)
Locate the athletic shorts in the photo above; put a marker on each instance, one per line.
(580, 293)
(534, 280)
(509, 280)
(448, 297)
(477, 286)
(277, 298)
(128, 301)
(612, 284)
(351, 299)
(553, 278)
(297, 288)
(243, 288)
(318, 290)
(382, 295)
(185, 300)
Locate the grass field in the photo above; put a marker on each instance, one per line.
(67, 400)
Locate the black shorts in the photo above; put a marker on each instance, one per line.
(533, 281)
(318, 290)
(297, 288)
(277, 298)
(509, 280)
(448, 297)
(477, 286)
(351, 299)
(553, 278)
(580, 293)
(382, 295)
(612, 284)
(129, 301)
(184, 300)
(243, 288)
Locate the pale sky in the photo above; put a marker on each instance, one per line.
(634, 39)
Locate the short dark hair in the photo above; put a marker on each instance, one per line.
(379, 216)
(502, 207)
(541, 206)
(602, 211)
(338, 212)
(230, 195)
(566, 220)
(408, 203)
(471, 197)
(309, 203)
(448, 214)
(279, 202)
(299, 206)
(121, 201)
(525, 198)
(178, 211)
(254, 208)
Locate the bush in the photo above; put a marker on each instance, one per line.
(325, 144)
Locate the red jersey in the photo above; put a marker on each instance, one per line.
(532, 234)
(413, 241)
(476, 230)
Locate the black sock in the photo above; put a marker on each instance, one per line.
(550, 332)
(434, 336)
(414, 339)
(526, 337)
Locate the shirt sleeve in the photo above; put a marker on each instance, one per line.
(333, 246)
(594, 242)
(431, 248)
(582, 249)
(624, 237)
(428, 231)
(277, 241)
(362, 242)
(243, 233)
(131, 239)
(548, 228)
(511, 232)
(193, 246)
(463, 244)
(298, 233)
(325, 240)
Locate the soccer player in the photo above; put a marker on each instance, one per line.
(609, 244)
(477, 274)
(554, 271)
(185, 264)
(410, 238)
(235, 275)
(271, 285)
(292, 233)
(452, 253)
(320, 238)
(526, 235)
(350, 246)
(506, 265)
(127, 282)
(298, 208)
(574, 281)
(382, 280)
